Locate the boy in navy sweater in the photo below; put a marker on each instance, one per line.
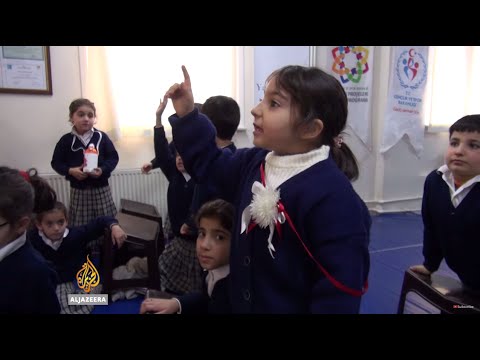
(451, 207)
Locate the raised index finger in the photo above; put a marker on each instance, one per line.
(185, 75)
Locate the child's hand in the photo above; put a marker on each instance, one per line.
(160, 109)
(420, 269)
(77, 173)
(146, 168)
(159, 306)
(181, 95)
(118, 235)
(185, 230)
(96, 173)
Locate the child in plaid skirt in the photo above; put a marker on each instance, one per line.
(90, 193)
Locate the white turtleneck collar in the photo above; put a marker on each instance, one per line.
(279, 169)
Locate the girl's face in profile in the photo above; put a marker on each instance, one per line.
(273, 129)
(83, 119)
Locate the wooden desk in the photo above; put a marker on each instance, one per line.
(142, 232)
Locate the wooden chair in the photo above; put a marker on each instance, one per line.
(443, 292)
(145, 211)
(143, 233)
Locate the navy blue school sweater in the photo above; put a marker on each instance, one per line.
(328, 214)
(68, 153)
(28, 283)
(201, 194)
(72, 253)
(201, 303)
(180, 191)
(451, 233)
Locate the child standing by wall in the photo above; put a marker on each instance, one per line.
(28, 281)
(300, 241)
(90, 193)
(215, 223)
(451, 207)
(66, 248)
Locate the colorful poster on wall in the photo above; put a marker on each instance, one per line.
(353, 67)
(405, 100)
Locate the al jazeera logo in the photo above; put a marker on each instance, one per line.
(88, 278)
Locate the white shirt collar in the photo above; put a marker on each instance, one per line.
(11, 247)
(447, 176)
(86, 137)
(53, 244)
(186, 176)
(215, 275)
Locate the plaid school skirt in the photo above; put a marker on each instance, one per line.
(180, 271)
(88, 204)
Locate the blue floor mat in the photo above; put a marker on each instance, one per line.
(396, 243)
(131, 306)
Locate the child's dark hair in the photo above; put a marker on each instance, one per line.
(224, 113)
(198, 106)
(75, 104)
(218, 209)
(45, 196)
(57, 206)
(318, 95)
(16, 195)
(469, 123)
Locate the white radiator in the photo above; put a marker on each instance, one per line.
(129, 184)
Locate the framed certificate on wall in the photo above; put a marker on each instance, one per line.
(25, 70)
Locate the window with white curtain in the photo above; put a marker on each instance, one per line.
(139, 76)
(453, 88)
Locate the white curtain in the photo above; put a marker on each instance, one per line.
(454, 85)
(127, 82)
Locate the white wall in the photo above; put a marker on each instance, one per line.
(32, 124)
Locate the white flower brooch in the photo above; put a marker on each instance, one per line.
(264, 211)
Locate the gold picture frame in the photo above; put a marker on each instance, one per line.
(25, 70)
